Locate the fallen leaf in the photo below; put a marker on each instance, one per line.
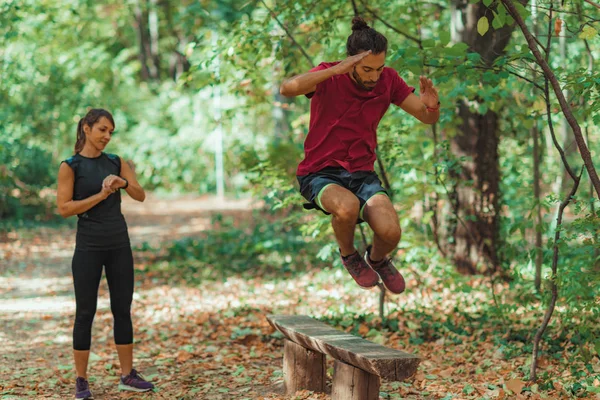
(515, 385)
(183, 356)
(447, 373)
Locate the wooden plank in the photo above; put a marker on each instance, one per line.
(390, 364)
(351, 383)
(303, 369)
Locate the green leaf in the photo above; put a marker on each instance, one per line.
(445, 37)
(487, 2)
(468, 389)
(429, 43)
(459, 49)
(483, 25)
(501, 13)
(497, 22)
(524, 12)
(588, 33)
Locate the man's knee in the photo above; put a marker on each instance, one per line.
(394, 235)
(390, 234)
(347, 209)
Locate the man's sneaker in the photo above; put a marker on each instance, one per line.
(82, 389)
(392, 279)
(135, 382)
(360, 271)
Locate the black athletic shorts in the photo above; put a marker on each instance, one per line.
(364, 184)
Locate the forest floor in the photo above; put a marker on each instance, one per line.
(212, 340)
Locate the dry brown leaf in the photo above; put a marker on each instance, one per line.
(501, 394)
(557, 26)
(419, 376)
(183, 356)
(515, 385)
(363, 329)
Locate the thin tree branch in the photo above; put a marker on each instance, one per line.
(563, 157)
(434, 218)
(566, 109)
(537, 85)
(356, 14)
(289, 34)
(592, 3)
(386, 182)
(549, 41)
(377, 17)
(553, 278)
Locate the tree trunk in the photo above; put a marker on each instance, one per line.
(475, 195)
(153, 42)
(141, 16)
(146, 24)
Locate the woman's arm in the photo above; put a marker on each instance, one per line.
(64, 194)
(133, 189)
(126, 180)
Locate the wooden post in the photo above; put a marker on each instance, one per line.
(303, 369)
(351, 383)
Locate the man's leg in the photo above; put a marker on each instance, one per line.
(381, 216)
(344, 207)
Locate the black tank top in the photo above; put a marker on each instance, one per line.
(103, 226)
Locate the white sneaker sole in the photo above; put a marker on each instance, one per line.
(132, 389)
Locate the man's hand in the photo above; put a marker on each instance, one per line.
(428, 93)
(348, 64)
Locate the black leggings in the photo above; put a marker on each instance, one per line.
(87, 271)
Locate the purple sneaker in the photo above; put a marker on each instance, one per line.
(360, 271)
(82, 389)
(135, 382)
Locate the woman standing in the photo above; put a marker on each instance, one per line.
(89, 185)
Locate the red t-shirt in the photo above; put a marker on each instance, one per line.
(344, 120)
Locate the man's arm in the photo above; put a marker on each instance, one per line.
(426, 107)
(307, 82)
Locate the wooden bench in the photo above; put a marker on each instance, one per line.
(359, 364)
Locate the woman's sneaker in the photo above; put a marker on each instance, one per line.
(135, 382)
(392, 279)
(360, 271)
(82, 389)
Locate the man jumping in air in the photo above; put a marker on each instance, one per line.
(348, 99)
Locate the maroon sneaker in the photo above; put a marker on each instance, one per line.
(360, 271)
(392, 279)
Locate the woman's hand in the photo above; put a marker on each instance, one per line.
(106, 191)
(113, 182)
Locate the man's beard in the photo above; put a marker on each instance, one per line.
(360, 82)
